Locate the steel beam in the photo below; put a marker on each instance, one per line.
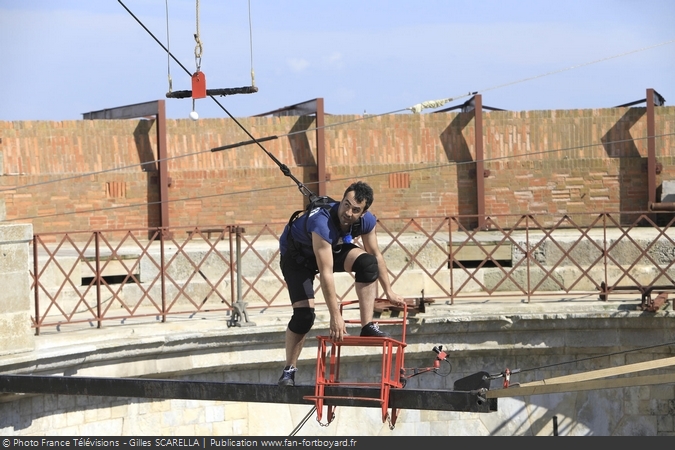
(320, 148)
(433, 400)
(146, 109)
(480, 160)
(164, 179)
(651, 149)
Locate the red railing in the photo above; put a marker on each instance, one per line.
(120, 274)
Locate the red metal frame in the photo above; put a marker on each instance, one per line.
(328, 366)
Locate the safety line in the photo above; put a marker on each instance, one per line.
(303, 421)
(598, 356)
(250, 42)
(576, 66)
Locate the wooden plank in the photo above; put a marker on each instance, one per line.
(604, 373)
(519, 391)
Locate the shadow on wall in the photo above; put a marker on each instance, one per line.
(302, 153)
(457, 150)
(619, 143)
(148, 164)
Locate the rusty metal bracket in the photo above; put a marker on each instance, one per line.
(239, 311)
(646, 303)
(654, 305)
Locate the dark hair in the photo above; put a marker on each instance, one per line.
(362, 191)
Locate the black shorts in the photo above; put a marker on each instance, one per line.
(300, 279)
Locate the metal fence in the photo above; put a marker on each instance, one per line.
(120, 274)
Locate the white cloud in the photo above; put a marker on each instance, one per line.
(297, 64)
(334, 60)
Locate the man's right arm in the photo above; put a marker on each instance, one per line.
(324, 259)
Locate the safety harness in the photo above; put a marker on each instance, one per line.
(293, 248)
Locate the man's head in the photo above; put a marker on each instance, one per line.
(355, 202)
(362, 191)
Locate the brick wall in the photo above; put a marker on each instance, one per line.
(538, 161)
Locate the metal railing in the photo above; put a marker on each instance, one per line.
(120, 274)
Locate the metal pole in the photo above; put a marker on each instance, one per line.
(98, 278)
(480, 158)
(239, 307)
(230, 229)
(651, 149)
(320, 148)
(238, 236)
(164, 180)
(36, 284)
(162, 272)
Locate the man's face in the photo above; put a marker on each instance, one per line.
(350, 211)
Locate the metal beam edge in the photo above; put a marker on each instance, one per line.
(433, 400)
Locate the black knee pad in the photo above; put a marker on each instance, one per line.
(365, 268)
(302, 320)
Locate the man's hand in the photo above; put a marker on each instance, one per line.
(338, 328)
(395, 299)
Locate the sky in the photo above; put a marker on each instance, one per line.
(60, 59)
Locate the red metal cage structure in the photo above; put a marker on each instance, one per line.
(392, 360)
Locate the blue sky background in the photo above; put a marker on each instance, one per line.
(60, 59)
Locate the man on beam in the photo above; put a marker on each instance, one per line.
(321, 242)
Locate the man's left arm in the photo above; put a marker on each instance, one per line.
(371, 246)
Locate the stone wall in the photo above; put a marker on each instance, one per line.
(15, 320)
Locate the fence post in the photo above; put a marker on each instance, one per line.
(98, 277)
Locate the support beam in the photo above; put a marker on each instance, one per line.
(320, 148)
(480, 160)
(164, 180)
(592, 385)
(591, 380)
(651, 149)
(123, 112)
(435, 400)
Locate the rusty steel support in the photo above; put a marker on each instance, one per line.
(651, 148)
(162, 157)
(662, 206)
(36, 283)
(320, 148)
(162, 274)
(480, 164)
(97, 276)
